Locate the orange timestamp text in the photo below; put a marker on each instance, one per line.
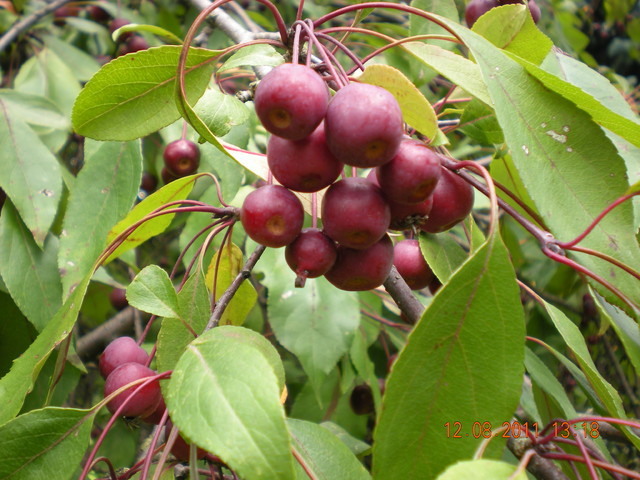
(522, 429)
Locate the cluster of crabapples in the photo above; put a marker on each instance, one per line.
(313, 137)
(122, 362)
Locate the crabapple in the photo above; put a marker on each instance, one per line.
(363, 125)
(355, 213)
(272, 216)
(358, 270)
(304, 165)
(452, 202)
(411, 265)
(121, 350)
(144, 402)
(291, 101)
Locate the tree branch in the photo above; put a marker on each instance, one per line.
(24, 24)
(539, 467)
(93, 342)
(403, 296)
(226, 297)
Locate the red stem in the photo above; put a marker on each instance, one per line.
(605, 466)
(597, 220)
(579, 268)
(114, 417)
(154, 441)
(606, 258)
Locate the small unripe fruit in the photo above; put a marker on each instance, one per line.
(359, 270)
(181, 158)
(144, 402)
(411, 265)
(272, 216)
(363, 125)
(411, 175)
(312, 254)
(291, 101)
(118, 298)
(355, 213)
(452, 202)
(121, 350)
(305, 165)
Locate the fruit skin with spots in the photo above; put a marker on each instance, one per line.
(411, 265)
(291, 101)
(305, 165)
(355, 213)
(272, 216)
(364, 125)
(181, 157)
(360, 270)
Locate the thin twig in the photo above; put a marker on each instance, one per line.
(403, 296)
(226, 297)
(24, 24)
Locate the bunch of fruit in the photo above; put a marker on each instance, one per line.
(313, 137)
(122, 362)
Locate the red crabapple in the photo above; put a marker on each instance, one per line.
(411, 265)
(452, 202)
(121, 350)
(144, 402)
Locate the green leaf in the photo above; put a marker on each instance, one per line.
(30, 273)
(504, 171)
(174, 336)
(47, 75)
(443, 254)
(152, 292)
(459, 70)
(223, 395)
(16, 333)
(44, 444)
(177, 190)
(323, 453)
(356, 446)
(316, 323)
(575, 341)
(15, 385)
(552, 142)
(546, 380)
(416, 110)
(102, 194)
(601, 114)
(155, 30)
(229, 266)
(220, 111)
(469, 342)
(29, 174)
(131, 96)
(479, 122)
(82, 65)
(482, 469)
(421, 26)
(365, 367)
(252, 56)
(511, 28)
(34, 109)
(627, 330)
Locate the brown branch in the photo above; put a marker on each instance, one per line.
(93, 342)
(539, 467)
(22, 25)
(226, 297)
(403, 296)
